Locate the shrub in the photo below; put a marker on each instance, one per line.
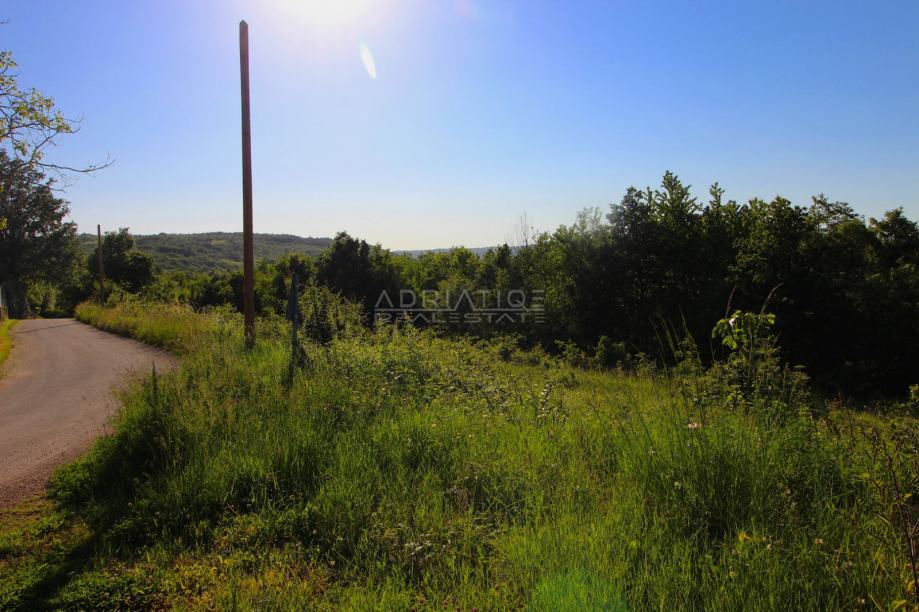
(752, 375)
(325, 314)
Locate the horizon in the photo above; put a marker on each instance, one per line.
(420, 125)
(85, 234)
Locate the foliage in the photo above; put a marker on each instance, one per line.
(6, 343)
(325, 315)
(845, 291)
(121, 262)
(214, 251)
(37, 245)
(165, 325)
(356, 270)
(29, 120)
(38, 249)
(400, 470)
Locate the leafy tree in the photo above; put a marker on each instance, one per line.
(898, 238)
(345, 267)
(356, 270)
(30, 124)
(36, 243)
(122, 263)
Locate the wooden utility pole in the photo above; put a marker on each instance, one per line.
(101, 269)
(248, 259)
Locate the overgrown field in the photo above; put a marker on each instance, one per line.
(400, 470)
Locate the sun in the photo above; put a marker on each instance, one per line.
(330, 14)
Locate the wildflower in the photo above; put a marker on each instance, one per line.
(818, 541)
(694, 425)
(743, 536)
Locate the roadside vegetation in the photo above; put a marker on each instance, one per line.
(398, 469)
(6, 342)
(167, 326)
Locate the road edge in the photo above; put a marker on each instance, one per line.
(6, 340)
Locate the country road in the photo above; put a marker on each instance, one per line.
(56, 397)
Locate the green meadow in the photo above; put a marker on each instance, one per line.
(396, 469)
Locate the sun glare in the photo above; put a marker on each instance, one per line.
(331, 14)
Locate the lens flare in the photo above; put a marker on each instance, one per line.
(367, 58)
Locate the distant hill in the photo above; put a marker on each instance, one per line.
(214, 250)
(480, 251)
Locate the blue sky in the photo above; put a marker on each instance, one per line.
(480, 109)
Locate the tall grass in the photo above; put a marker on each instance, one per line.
(6, 342)
(401, 470)
(169, 326)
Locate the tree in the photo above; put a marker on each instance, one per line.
(30, 124)
(345, 267)
(123, 264)
(898, 237)
(36, 244)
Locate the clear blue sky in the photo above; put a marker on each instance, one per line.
(480, 109)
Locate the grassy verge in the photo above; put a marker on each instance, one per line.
(6, 342)
(167, 326)
(399, 470)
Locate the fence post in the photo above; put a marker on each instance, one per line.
(156, 390)
(293, 315)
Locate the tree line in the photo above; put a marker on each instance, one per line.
(845, 290)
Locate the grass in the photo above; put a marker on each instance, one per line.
(399, 470)
(6, 342)
(167, 326)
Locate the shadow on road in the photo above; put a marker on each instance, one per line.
(61, 324)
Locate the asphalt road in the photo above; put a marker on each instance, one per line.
(56, 397)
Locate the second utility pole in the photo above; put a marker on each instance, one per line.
(248, 260)
(101, 268)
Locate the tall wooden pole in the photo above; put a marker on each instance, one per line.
(248, 259)
(99, 260)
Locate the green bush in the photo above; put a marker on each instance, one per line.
(325, 314)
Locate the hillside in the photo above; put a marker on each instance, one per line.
(480, 251)
(214, 250)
